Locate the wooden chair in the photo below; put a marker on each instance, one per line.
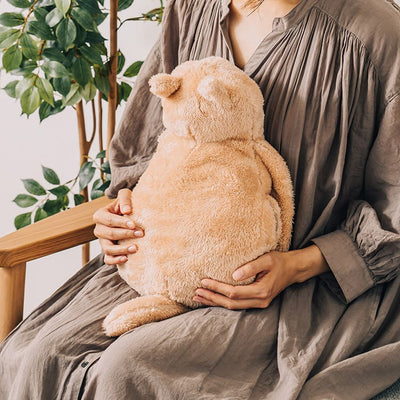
(58, 232)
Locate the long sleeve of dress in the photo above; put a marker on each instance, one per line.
(135, 140)
(365, 250)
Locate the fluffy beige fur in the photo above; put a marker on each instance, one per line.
(214, 196)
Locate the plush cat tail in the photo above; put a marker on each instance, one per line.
(282, 189)
(164, 85)
(139, 311)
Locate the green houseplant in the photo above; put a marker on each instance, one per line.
(58, 58)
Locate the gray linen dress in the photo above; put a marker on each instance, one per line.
(330, 73)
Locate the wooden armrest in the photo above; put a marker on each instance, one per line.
(58, 232)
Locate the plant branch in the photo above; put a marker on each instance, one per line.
(112, 94)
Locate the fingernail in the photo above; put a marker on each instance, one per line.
(204, 282)
(138, 233)
(123, 259)
(132, 249)
(237, 275)
(125, 209)
(130, 224)
(200, 292)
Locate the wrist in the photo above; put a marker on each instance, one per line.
(308, 262)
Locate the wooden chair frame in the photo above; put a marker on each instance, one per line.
(58, 232)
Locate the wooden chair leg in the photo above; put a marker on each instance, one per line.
(12, 288)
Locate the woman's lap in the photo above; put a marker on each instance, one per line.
(60, 350)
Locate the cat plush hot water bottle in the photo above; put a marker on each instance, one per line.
(214, 196)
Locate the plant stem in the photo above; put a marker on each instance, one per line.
(112, 94)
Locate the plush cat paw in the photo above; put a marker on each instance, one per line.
(119, 321)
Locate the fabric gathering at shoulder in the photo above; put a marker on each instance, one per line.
(380, 36)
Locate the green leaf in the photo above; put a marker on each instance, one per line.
(12, 57)
(10, 89)
(126, 90)
(30, 100)
(78, 199)
(63, 5)
(66, 33)
(40, 214)
(40, 29)
(106, 167)
(33, 187)
(124, 4)
(94, 37)
(8, 37)
(96, 184)
(54, 17)
(52, 207)
(50, 176)
(29, 46)
(80, 36)
(100, 18)
(101, 79)
(73, 96)
(84, 18)
(81, 71)
(95, 194)
(54, 69)
(53, 54)
(102, 154)
(90, 5)
(60, 191)
(25, 69)
(62, 85)
(45, 90)
(86, 174)
(99, 48)
(25, 200)
(23, 85)
(121, 62)
(91, 54)
(105, 185)
(45, 109)
(133, 69)
(11, 19)
(22, 220)
(20, 3)
(45, 3)
(40, 13)
(89, 91)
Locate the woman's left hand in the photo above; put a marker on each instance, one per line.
(274, 272)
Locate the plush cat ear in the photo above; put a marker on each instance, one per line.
(214, 90)
(163, 85)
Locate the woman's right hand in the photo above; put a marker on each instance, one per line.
(112, 225)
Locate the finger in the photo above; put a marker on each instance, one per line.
(231, 304)
(204, 301)
(105, 232)
(107, 218)
(113, 260)
(111, 249)
(125, 201)
(251, 291)
(252, 268)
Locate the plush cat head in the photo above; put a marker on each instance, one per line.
(210, 100)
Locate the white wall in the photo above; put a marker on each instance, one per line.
(26, 144)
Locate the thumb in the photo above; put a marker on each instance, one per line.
(124, 201)
(251, 268)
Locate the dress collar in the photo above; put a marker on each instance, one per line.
(282, 23)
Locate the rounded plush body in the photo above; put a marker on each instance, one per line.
(214, 196)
